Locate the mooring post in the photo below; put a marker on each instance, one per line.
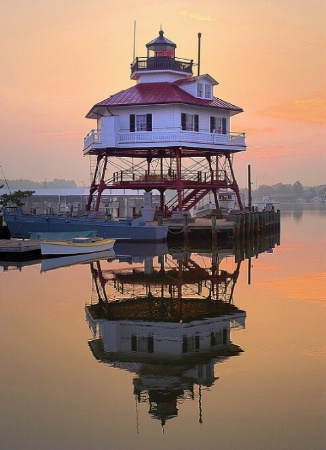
(214, 229)
(160, 218)
(247, 223)
(185, 228)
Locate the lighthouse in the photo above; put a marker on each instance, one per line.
(169, 133)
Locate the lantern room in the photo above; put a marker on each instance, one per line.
(161, 47)
(161, 62)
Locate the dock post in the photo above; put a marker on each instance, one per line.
(236, 229)
(247, 224)
(242, 225)
(185, 228)
(214, 229)
(252, 224)
(263, 222)
(256, 223)
(160, 218)
(278, 220)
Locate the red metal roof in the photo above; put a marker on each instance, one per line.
(159, 93)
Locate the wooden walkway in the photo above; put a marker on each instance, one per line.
(237, 228)
(18, 246)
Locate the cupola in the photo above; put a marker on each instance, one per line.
(160, 63)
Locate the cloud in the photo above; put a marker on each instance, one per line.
(314, 43)
(306, 109)
(58, 134)
(308, 287)
(196, 16)
(257, 131)
(317, 352)
(270, 152)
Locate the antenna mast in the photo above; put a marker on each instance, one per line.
(5, 180)
(134, 53)
(199, 37)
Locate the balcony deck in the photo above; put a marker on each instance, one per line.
(175, 64)
(234, 142)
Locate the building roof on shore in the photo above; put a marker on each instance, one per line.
(159, 93)
(77, 192)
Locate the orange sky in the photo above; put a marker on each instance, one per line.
(58, 58)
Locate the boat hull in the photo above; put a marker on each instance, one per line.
(75, 247)
(21, 225)
(59, 262)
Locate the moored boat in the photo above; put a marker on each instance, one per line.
(318, 199)
(227, 201)
(22, 225)
(265, 203)
(76, 246)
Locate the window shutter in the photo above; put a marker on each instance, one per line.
(150, 344)
(149, 122)
(132, 122)
(183, 121)
(212, 124)
(196, 122)
(133, 343)
(224, 125)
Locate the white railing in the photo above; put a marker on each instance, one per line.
(181, 136)
(93, 137)
(172, 136)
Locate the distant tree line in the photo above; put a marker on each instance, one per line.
(278, 191)
(294, 191)
(57, 183)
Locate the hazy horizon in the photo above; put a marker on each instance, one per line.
(60, 58)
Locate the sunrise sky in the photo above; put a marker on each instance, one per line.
(60, 57)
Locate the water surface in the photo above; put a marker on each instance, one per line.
(179, 351)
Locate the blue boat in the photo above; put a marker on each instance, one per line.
(22, 225)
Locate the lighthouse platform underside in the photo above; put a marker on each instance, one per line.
(193, 173)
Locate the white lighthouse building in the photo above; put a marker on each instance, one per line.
(168, 132)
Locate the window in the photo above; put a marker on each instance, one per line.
(208, 91)
(133, 343)
(140, 122)
(218, 125)
(142, 344)
(200, 90)
(197, 342)
(204, 90)
(189, 122)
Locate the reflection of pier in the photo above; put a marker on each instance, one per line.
(168, 321)
(177, 276)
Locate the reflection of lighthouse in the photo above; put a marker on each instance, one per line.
(171, 334)
(169, 358)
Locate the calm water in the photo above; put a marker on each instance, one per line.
(202, 351)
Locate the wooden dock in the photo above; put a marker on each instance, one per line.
(18, 248)
(237, 227)
(234, 226)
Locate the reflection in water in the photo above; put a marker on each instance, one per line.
(167, 320)
(165, 315)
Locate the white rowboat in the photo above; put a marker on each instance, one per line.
(76, 246)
